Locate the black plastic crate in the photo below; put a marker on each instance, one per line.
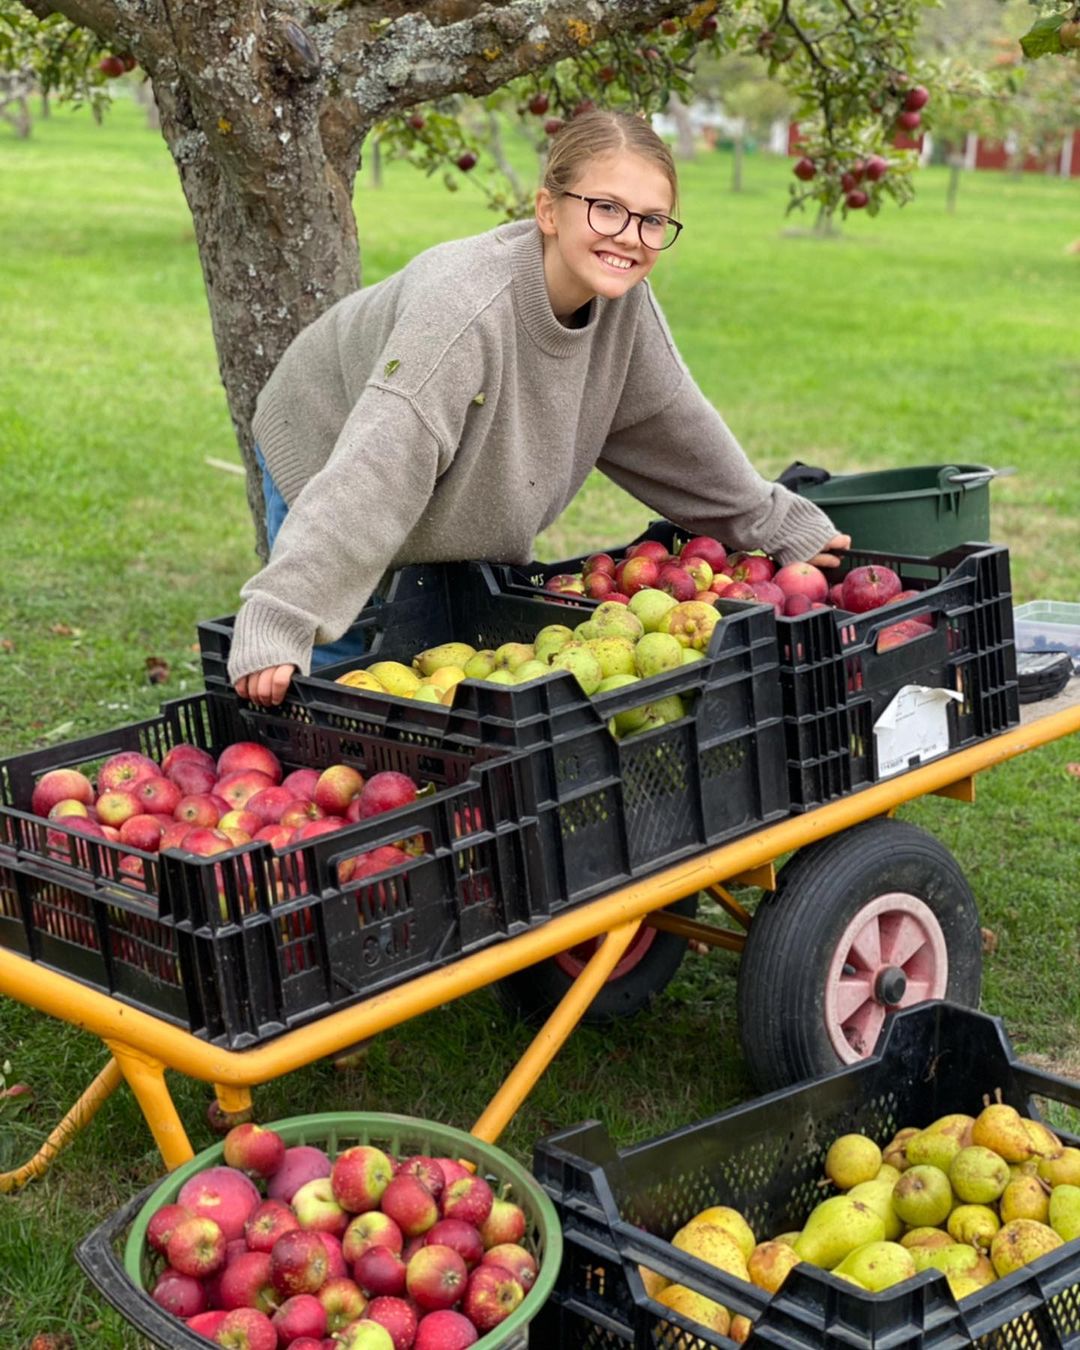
(837, 683)
(620, 1207)
(246, 944)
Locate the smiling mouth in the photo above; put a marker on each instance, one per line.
(613, 260)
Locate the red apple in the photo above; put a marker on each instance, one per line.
(618, 598)
(769, 594)
(636, 573)
(916, 98)
(445, 1330)
(143, 832)
(836, 594)
(336, 788)
(370, 1230)
(363, 1335)
(301, 782)
(59, 785)
(268, 803)
(156, 796)
(565, 583)
(336, 1266)
(380, 1271)
(162, 1223)
(750, 567)
(196, 1247)
(174, 834)
(302, 1162)
(254, 1149)
(360, 1176)
(222, 1194)
(300, 1315)
(243, 820)
(598, 562)
(738, 590)
(299, 811)
(386, 791)
(206, 1324)
(452, 1169)
(239, 787)
(180, 1294)
(469, 1198)
(802, 578)
(805, 169)
(185, 753)
(427, 1169)
(700, 572)
(436, 1277)
(193, 780)
(343, 1302)
(795, 605)
(124, 769)
(505, 1224)
(278, 836)
(246, 1329)
(199, 809)
(677, 581)
(298, 1263)
(491, 1296)
(649, 548)
(398, 1317)
(516, 1259)
(313, 829)
(269, 1220)
(206, 842)
(865, 588)
(70, 807)
(245, 1283)
(464, 1237)
(317, 1208)
(598, 585)
(114, 806)
(410, 1204)
(702, 546)
(247, 755)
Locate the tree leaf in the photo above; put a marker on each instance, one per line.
(1044, 37)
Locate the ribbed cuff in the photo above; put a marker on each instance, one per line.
(805, 530)
(266, 635)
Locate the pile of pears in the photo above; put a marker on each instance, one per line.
(975, 1197)
(617, 645)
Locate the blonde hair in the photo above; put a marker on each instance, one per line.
(604, 131)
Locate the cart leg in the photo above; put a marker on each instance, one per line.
(551, 1036)
(84, 1110)
(146, 1078)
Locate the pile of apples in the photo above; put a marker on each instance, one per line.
(285, 1246)
(206, 805)
(975, 1197)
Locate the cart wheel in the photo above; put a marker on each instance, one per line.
(879, 916)
(645, 970)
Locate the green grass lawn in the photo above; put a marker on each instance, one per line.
(913, 338)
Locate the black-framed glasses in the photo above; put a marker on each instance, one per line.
(610, 218)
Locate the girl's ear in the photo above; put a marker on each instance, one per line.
(545, 212)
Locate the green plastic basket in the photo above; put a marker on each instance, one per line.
(126, 1284)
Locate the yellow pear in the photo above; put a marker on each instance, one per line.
(1000, 1128)
(887, 1172)
(652, 1280)
(974, 1224)
(978, 1175)
(962, 1286)
(445, 677)
(480, 666)
(697, 1307)
(428, 693)
(446, 654)
(923, 1196)
(396, 678)
(1064, 1170)
(1063, 1211)
(548, 641)
(1044, 1142)
(723, 1216)
(769, 1264)
(740, 1329)
(1020, 1242)
(957, 1259)
(878, 1195)
(1025, 1197)
(933, 1148)
(926, 1237)
(361, 679)
(895, 1151)
(715, 1246)
(512, 654)
(835, 1227)
(531, 670)
(878, 1265)
(852, 1158)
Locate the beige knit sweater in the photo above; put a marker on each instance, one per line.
(445, 413)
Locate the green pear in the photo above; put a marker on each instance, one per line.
(651, 723)
(973, 1224)
(585, 630)
(923, 1196)
(1000, 1128)
(655, 653)
(613, 619)
(852, 1158)
(935, 1240)
(1020, 1242)
(650, 606)
(447, 654)
(769, 1264)
(957, 1259)
(582, 664)
(887, 1172)
(513, 654)
(878, 1195)
(878, 1265)
(624, 723)
(480, 666)
(931, 1148)
(427, 693)
(500, 676)
(895, 1151)
(1064, 1211)
(615, 654)
(835, 1227)
(1061, 1171)
(978, 1175)
(1025, 1197)
(690, 655)
(668, 709)
(548, 641)
(530, 670)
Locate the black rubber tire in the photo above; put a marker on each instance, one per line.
(796, 930)
(532, 993)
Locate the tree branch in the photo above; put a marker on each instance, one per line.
(412, 60)
(136, 26)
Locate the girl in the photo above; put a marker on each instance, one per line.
(454, 409)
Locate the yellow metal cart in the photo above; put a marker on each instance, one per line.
(142, 1046)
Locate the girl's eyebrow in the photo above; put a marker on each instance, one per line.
(614, 197)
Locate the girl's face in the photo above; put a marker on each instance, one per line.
(578, 262)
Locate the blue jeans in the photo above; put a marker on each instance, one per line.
(346, 647)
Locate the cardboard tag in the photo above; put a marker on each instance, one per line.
(914, 727)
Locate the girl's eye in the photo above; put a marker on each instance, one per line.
(654, 222)
(608, 209)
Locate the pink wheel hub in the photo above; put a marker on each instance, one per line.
(572, 962)
(891, 955)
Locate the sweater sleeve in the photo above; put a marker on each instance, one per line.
(340, 535)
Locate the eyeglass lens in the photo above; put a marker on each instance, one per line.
(611, 218)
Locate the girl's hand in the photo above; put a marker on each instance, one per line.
(265, 687)
(841, 543)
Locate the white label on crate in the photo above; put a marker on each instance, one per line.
(914, 727)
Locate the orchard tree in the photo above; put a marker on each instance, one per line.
(265, 110)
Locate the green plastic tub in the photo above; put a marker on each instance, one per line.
(923, 510)
(125, 1274)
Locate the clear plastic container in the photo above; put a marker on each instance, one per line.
(1042, 624)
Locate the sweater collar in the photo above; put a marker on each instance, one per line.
(531, 298)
